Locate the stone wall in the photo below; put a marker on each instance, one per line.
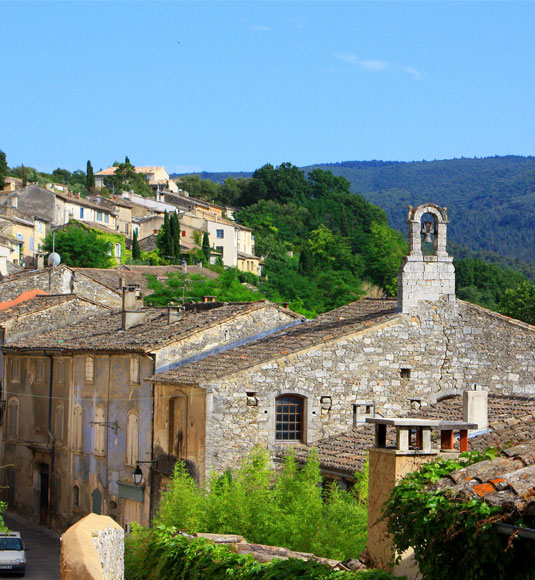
(92, 549)
(67, 313)
(225, 334)
(437, 349)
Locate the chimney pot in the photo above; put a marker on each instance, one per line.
(475, 408)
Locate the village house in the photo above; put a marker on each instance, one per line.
(88, 407)
(156, 176)
(373, 356)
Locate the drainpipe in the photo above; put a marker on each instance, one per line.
(49, 429)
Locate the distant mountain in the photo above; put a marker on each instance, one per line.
(490, 201)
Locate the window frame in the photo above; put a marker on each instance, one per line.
(12, 431)
(89, 368)
(77, 428)
(132, 438)
(99, 447)
(296, 407)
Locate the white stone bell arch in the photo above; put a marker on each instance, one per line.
(426, 278)
(440, 223)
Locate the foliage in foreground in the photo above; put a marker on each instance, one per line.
(279, 508)
(454, 539)
(164, 554)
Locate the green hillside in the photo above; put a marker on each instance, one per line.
(490, 201)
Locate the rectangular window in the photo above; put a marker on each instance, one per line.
(134, 369)
(40, 227)
(60, 372)
(15, 370)
(183, 233)
(89, 369)
(82, 213)
(31, 243)
(99, 216)
(106, 218)
(13, 419)
(220, 234)
(40, 370)
(219, 249)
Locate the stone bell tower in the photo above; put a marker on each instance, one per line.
(426, 277)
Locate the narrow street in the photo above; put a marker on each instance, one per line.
(42, 545)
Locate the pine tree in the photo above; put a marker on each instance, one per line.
(206, 246)
(90, 177)
(136, 250)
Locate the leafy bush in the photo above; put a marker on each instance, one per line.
(163, 553)
(454, 539)
(285, 508)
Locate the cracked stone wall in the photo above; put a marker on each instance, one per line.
(436, 349)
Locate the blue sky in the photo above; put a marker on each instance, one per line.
(219, 86)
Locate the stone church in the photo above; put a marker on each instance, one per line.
(325, 376)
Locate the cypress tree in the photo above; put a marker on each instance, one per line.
(206, 246)
(90, 177)
(24, 175)
(136, 250)
(3, 169)
(165, 242)
(175, 235)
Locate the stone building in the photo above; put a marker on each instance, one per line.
(323, 377)
(80, 410)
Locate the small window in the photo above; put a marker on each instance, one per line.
(40, 227)
(60, 372)
(82, 213)
(118, 250)
(15, 370)
(220, 234)
(13, 419)
(100, 431)
(99, 216)
(183, 233)
(289, 418)
(77, 426)
(39, 370)
(59, 422)
(89, 369)
(134, 370)
(75, 496)
(106, 218)
(132, 438)
(31, 243)
(405, 373)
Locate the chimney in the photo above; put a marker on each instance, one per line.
(475, 408)
(132, 313)
(174, 313)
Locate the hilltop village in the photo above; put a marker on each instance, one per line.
(98, 386)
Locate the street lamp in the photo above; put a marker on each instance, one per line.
(137, 476)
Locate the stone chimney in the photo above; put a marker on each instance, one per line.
(389, 464)
(174, 313)
(132, 313)
(475, 408)
(422, 277)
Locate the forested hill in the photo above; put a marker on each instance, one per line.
(490, 201)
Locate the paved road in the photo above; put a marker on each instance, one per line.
(42, 559)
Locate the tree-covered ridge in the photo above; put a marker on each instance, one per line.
(490, 201)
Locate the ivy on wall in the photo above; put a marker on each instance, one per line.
(454, 538)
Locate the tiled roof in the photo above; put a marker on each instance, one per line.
(35, 304)
(334, 324)
(507, 481)
(104, 333)
(28, 295)
(511, 420)
(82, 201)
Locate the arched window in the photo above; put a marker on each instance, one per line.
(59, 422)
(289, 410)
(132, 438)
(100, 431)
(77, 426)
(13, 419)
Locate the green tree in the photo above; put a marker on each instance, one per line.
(136, 250)
(174, 228)
(164, 241)
(90, 177)
(80, 247)
(206, 247)
(3, 169)
(519, 302)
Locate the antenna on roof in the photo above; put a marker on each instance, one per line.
(54, 259)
